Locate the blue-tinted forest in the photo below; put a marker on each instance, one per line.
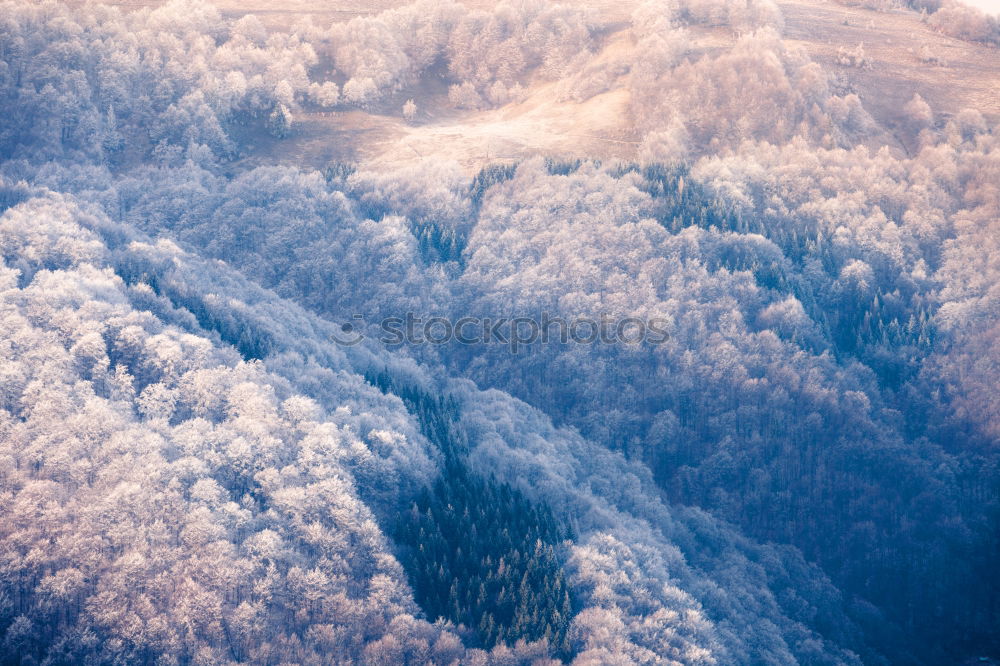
(194, 471)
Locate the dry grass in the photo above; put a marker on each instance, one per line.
(969, 77)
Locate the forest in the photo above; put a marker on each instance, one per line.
(194, 471)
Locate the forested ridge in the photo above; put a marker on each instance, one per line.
(193, 470)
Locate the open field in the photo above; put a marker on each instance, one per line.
(968, 76)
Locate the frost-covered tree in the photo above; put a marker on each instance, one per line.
(410, 110)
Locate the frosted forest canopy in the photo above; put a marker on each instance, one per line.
(194, 471)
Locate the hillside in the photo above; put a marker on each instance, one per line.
(463, 333)
(963, 75)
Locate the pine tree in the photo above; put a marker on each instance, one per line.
(478, 552)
